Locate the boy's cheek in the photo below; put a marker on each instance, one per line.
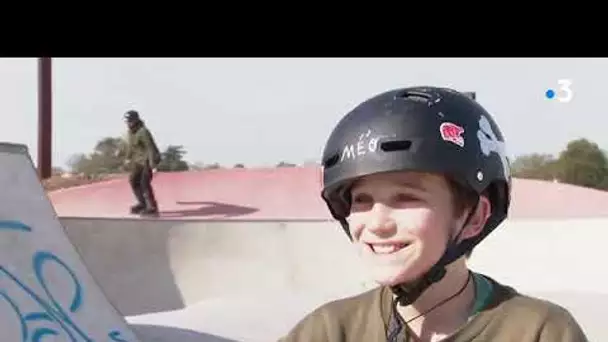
(354, 225)
(355, 233)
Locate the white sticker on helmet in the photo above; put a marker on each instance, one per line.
(488, 142)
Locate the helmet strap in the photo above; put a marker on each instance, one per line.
(408, 293)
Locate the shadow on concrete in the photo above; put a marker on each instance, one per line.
(208, 208)
(156, 333)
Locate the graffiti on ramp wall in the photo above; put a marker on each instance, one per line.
(52, 316)
(46, 291)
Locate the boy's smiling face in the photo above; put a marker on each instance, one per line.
(402, 221)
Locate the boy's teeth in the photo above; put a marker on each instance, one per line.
(385, 249)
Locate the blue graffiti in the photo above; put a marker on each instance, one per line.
(51, 311)
(15, 225)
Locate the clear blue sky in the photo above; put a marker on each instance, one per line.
(262, 111)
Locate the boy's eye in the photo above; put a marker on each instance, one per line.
(405, 198)
(362, 198)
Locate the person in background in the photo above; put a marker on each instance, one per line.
(142, 157)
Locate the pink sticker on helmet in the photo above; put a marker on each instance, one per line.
(452, 133)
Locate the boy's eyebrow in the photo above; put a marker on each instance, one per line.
(417, 184)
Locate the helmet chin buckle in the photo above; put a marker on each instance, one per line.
(409, 293)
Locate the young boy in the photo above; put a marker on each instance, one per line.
(417, 177)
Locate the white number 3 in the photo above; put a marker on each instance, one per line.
(565, 94)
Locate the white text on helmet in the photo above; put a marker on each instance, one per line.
(364, 145)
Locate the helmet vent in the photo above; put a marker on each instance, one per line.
(396, 145)
(414, 95)
(331, 161)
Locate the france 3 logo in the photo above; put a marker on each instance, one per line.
(562, 93)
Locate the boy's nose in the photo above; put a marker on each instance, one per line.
(380, 220)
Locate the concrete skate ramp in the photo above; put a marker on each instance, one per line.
(251, 281)
(46, 292)
(183, 263)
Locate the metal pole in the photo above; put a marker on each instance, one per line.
(44, 117)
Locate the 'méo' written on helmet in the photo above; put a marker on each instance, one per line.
(425, 129)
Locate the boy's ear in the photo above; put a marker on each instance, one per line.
(478, 219)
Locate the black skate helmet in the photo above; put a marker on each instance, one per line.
(425, 129)
(132, 116)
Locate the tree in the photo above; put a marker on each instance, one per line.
(285, 164)
(57, 171)
(108, 156)
(110, 146)
(535, 166)
(584, 163)
(75, 162)
(213, 166)
(197, 166)
(172, 159)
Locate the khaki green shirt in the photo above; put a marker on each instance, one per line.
(507, 317)
(141, 147)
